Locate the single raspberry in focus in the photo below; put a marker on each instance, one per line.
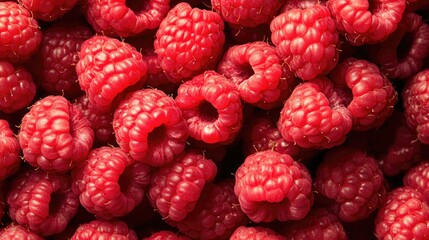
(255, 233)
(20, 36)
(107, 67)
(55, 135)
(315, 116)
(307, 40)
(404, 215)
(272, 186)
(352, 181)
(189, 41)
(176, 187)
(101, 229)
(18, 232)
(366, 21)
(17, 87)
(43, 203)
(212, 107)
(9, 151)
(166, 235)
(418, 178)
(48, 10)
(125, 18)
(149, 126)
(110, 184)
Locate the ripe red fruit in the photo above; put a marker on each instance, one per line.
(166, 235)
(48, 10)
(418, 178)
(9, 151)
(101, 229)
(18, 232)
(255, 233)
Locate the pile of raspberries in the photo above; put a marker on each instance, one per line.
(214, 119)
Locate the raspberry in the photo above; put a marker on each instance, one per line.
(415, 102)
(402, 54)
(176, 187)
(17, 87)
(318, 224)
(300, 4)
(55, 135)
(166, 235)
(189, 41)
(9, 151)
(247, 13)
(314, 116)
(156, 77)
(256, 71)
(307, 40)
(272, 186)
(352, 181)
(18, 232)
(125, 18)
(418, 179)
(42, 202)
(20, 36)
(364, 21)
(101, 229)
(212, 107)
(372, 94)
(58, 56)
(150, 127)
(110, 184)
(404, 215)
(255, 233)
(107, 67)
(48, 10)
(216, 215)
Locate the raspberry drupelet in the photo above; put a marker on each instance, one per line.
(166, 235)
(418, 178)
(9, 151)
(48, 10)
(149, 125)
(102, 229)
(109, 183)
(255, 233)
(18, 232)
(42, 202)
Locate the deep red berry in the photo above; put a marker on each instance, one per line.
(176, 187)
(166, 235)
(156, 78)
(48, 10)
(307, 40)
(418, 178)
(212, 107)
(9, 151)
(149, 125)
(272, 186)
(101, 229)
(110, 184)
(17, 232)
(189, 41)
(300, 4)
(42, 202)
(255, 233)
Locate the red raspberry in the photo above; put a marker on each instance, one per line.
(9, 151)
(58, 56)
(212, 107)
(256, 70)
(365, 21)
(48, 10)
(353, 182)
(106, 68)
(20, 36)
(271, 186)
(404, 215)
(42, 202)
(372, 94)
(314, 116)
(100, 229)
(55, 135)
(17, 87)
(18, 232)
(189, 41)
(110, 184)
(247, 13)
(216, 215)
(166, 235)
(150, 127)
(418, 179)
(318, 224)
(300, 4)
(415, 103)
(125, 18)
(255, 233)
(307, 40)
(402, 54)
(176, 187)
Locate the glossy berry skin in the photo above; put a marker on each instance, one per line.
(404, 215)
(44, 203)
(255, 233)
(212, 108)
(418, 178)
(272, 186)
(101, 229)
(189, 41)
(176, 187)
(48, 10)
(9, 151)
(149, 125)
(18, 232)
(55, 135)
(110, 184)
(307, 40)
